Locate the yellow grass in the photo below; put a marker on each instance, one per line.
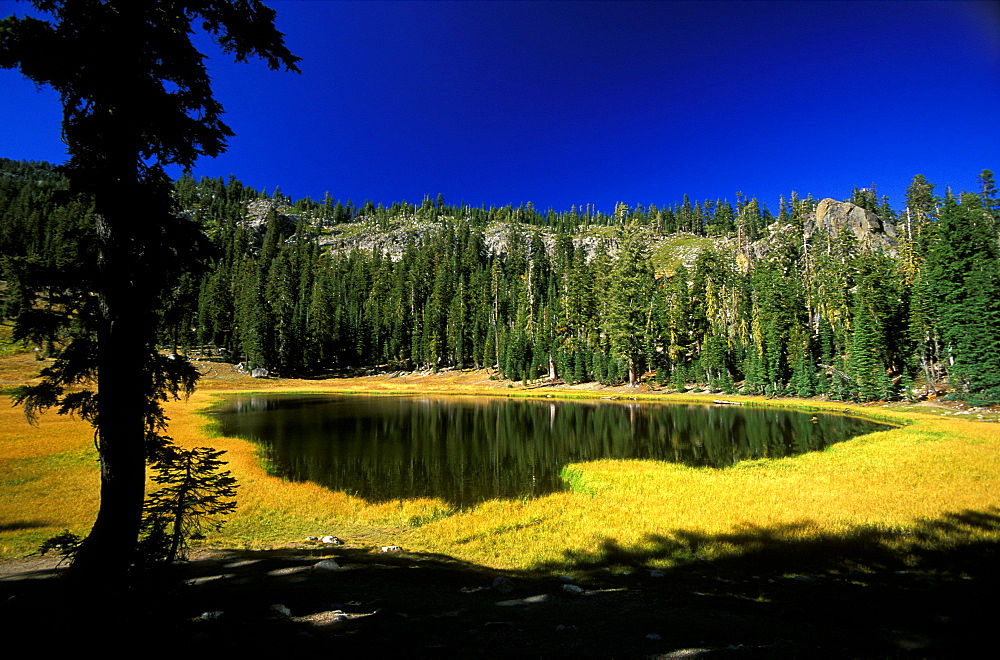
(892, 480)
(887, 480)
(48, 479)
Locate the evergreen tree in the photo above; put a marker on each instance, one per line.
(803, 381)
(865, 366)
(136, 98)
(195, 494)
(988, 193)
(921, 209)
(962, 283)
(627, 305)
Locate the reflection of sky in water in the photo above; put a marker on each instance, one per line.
(466, 450)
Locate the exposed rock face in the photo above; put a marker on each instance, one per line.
(830, 218)
(257, 211)
(833, 217)
(391, 241)
(390, 238)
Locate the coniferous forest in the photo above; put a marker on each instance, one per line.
(857, 301)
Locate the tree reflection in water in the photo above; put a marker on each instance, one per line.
(467, 450)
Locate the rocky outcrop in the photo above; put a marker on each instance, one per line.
(833, 217)
(257, 211)
(392, 240)
(364, 235)
(830, 219)
(391, 237)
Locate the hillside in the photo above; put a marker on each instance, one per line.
(390, 236)
(849, 299)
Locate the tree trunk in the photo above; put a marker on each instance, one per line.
(122, 355)
(126, 327)
(108, 143)
(178, 531)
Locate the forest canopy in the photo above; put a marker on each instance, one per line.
(707, 293)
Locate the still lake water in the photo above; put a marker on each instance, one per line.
(467, 450)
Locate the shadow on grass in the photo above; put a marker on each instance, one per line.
(21, 525)
(956, 539)
(926, 591)
(755, 592)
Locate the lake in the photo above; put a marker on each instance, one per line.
(470, 449)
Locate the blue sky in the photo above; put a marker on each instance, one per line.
(570, 103)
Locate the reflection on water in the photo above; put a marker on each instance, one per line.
(466, 450)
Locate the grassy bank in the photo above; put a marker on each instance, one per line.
(892, 483)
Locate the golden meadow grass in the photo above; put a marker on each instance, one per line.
(890, 480)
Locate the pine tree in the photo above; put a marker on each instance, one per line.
(921, 209)
(195, 494)
(865, 366)
(136, 98)
(991, 200)
(803, 381)
(627, 302)
(962, 283)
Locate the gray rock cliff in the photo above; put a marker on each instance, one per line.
(833, 217)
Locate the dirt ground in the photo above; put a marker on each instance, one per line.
(839, 599)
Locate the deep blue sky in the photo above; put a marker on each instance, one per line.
(563, 103)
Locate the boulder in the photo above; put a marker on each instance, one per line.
(830, 218)
(833, 217)
(326, 565)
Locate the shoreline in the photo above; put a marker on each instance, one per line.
(273, 513)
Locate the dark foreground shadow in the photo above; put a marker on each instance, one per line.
(778, 593)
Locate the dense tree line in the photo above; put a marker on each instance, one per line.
(519, 291)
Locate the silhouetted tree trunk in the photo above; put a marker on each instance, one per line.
(136, 97)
